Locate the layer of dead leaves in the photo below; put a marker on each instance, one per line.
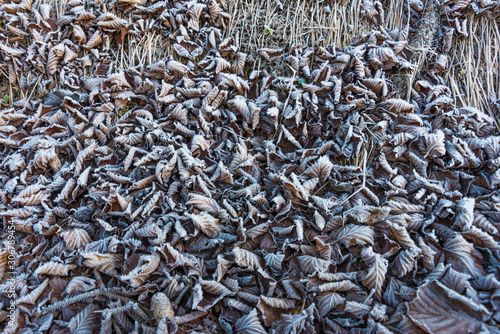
(184, 197)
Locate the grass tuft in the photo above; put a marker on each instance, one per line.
(474, 71)
(151, 48)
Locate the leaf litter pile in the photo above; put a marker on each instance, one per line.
(189, 196)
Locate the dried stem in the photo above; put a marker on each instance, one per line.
(474, 70)
(92, 294)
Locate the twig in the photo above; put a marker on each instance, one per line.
(287, 99)
(294, 202)
(69, 301)
(92, 294)
(326, 183)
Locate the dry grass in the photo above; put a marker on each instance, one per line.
(365, 157)
(474, 71)
(394, 12)
(264, 24)
(146, 51)
(59, 6)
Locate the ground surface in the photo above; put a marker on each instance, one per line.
(249, 166)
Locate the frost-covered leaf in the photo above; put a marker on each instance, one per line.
(375, 277)
(207, 294)
(352, 234)
(463, 256)
(249, 324)
(321, 169)
(102, 262)
(75, 238)
(80, 284)
(328, 301)
(297, 323)
(32, 297)
(432, 144)
(464, 216)
(438, 309)
(146, 266)
(206, 222)
(245, 258)
(367, 214)
(85, 321)
(311, 264)
(280, 303)
(54, 268)
(203, 203)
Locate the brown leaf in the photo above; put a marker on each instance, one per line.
(438, 309)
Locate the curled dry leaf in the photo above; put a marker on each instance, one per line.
(32, 297)
(102, 262)
(206, 223)
(161, 307)
(247, 259)
(146, 266)
(250, 323)
(75, 238)
(54, 268)
(438, 309)
(80, 284)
